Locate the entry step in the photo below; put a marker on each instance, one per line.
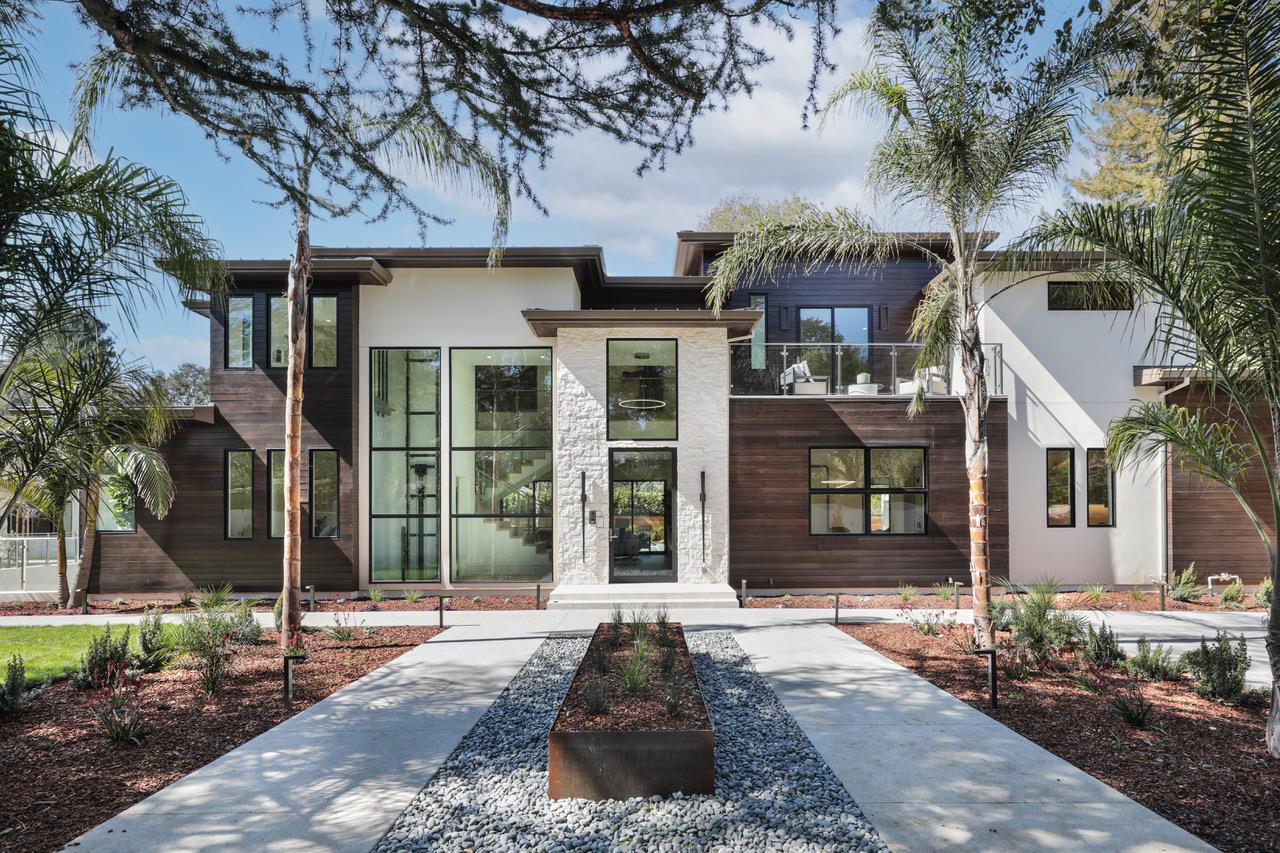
(605, 596)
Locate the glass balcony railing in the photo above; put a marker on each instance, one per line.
(848, 370)
(30, 563)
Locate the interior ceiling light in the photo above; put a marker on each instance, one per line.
(642, 403)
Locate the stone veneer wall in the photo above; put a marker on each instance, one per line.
(581, 445)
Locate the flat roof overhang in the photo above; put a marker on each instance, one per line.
(739, 322)
(202, 414)
(1147, 376)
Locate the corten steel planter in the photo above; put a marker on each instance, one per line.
(618, 765)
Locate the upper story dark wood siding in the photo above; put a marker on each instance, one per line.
(891, 290)
(188, 548)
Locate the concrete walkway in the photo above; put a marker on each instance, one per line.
(930, 772)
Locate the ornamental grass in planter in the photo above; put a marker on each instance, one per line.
(633, 723)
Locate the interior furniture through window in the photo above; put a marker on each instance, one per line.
(867, 490)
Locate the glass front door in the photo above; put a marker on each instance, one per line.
(641, 532)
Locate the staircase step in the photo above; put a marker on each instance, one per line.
(629, 595)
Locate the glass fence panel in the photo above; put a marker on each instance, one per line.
(30, 563)
(846, 370)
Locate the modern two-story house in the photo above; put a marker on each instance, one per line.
(546, 422)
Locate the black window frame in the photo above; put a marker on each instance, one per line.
(406, 449)
(866, 490)
(1053, 284)
(271, 328)
(800, 309)
(1111, 473)
(337, 334)
(271, 452)
(119, 530)
(337, 491)
(253, 332)
(453, 515)
(608, 422)
(1071, 478)
(226, 495)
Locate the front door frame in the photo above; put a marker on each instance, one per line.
(669, 520)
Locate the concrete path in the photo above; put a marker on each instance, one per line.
(930, 772)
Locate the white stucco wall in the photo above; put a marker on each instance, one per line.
(1067, 374)
(448, 308)
(702, 445)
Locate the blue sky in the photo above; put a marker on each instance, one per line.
(756, 147)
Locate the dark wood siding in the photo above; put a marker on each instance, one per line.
(1206, 524)
(187, 548)
(770, 544)
(895, 287)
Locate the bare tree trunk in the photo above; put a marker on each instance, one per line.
(1273, 618)
(977, 465)
(299, 284)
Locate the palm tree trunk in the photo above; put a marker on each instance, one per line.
(60, 548)
(1273, 621)
(977, 466)
(299, 284)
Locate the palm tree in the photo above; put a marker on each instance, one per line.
(974, 132)
(108, 417)
(77, 235)
(1206, 256)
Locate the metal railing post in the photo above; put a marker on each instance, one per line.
(893, 369)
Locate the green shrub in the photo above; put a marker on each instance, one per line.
(412, 596)
(246, 630)
(15, 684)
(928, 624)
(638, 623)
(376, 595)
(117, 708)
(596, 696)
(1155, 663)
(1184, 587)
(964, 641)
(634, 673)
(105, 652)
(906, 592)
(1036, 626)
(205, 637)
(153, 646)
(668, 661)
(675, 704)
(1096, 592)
(1232, 597)
(187, 599)
(214, 597)
(342, 629)
(1101, 648)
(1130, 700)
(1137, 593)
(1219, 669)
(1264, 593)
(944, 591)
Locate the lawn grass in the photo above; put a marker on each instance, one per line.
(49, 650)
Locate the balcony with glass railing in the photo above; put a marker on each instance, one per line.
(30, 563)
(848, 370)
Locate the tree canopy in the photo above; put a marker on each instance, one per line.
(741, 211)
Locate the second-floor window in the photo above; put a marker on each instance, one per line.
(324, 331)
(1072, 295)
(641, 389)
(278, 332)
(240, 331)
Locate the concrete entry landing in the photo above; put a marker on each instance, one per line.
(605, 596)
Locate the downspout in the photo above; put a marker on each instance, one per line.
(1163, 526)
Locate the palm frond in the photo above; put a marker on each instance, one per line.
(814, 238)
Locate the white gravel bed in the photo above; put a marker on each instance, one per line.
(773, 790)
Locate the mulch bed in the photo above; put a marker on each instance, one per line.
(1203, 765)
(325, 603)
(644, 709)
(61, 777)
(1065, 601)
